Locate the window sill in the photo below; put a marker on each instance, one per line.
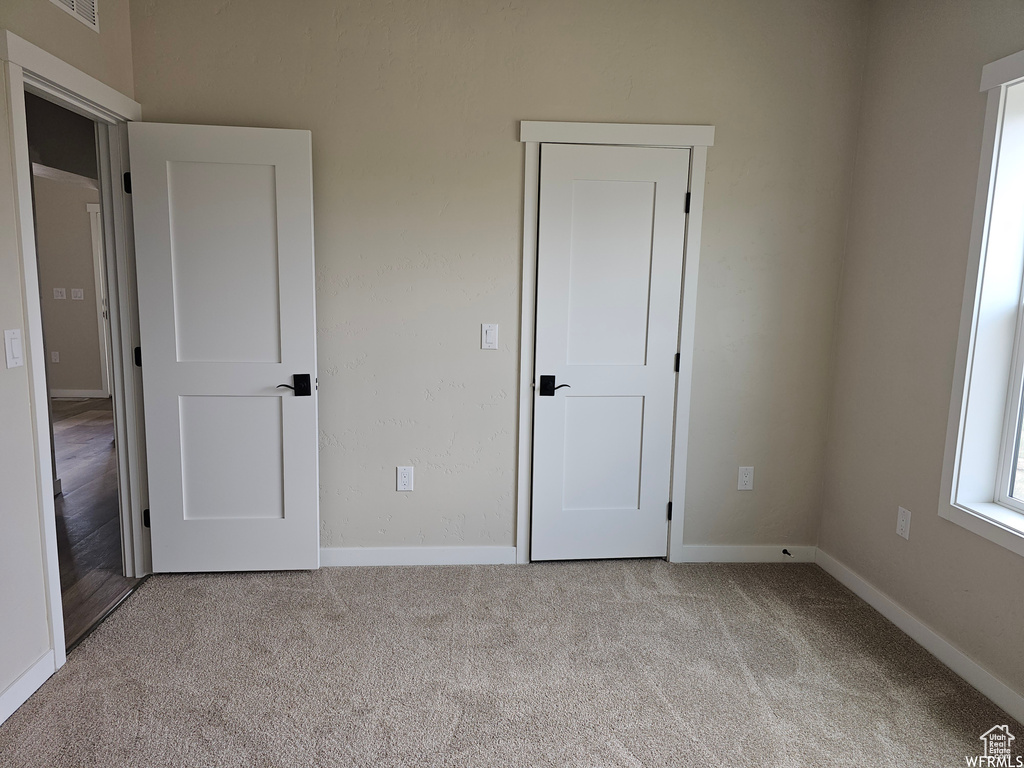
(998, 524)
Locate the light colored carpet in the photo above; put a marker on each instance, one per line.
(615, 663)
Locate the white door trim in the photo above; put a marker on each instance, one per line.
(100, 292)
(531, 133)
(123, 309)
(623, 134)
(75, 90)
(29, 68)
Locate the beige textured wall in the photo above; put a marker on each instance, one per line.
(902, 288)
(23, 623)
(106, 55)
(64, 249)
(414, 108)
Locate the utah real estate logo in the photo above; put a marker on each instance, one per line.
(998, 743)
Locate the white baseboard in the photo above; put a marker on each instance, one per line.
(335, 556)
(77, 393)
(19, 691)
(926, 637)
(770, 553)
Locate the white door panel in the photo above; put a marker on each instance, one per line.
(204, 239)
(224, 250)
(610, 257)
(603, 442)
(610, 272)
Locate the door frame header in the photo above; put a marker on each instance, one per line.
(49, 76)
(624, 134)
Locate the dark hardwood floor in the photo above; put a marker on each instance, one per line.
(88, 531)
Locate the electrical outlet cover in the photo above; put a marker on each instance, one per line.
(903, 523)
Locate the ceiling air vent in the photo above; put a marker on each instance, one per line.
(83, 10)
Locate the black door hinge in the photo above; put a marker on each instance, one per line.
(686, 208)
(670, 510)
(138, 357)
(677, 362)
(128, 187)
(145, 517)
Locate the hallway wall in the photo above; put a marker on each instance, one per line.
(65, 255)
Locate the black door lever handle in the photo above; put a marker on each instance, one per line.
(301, 385)
(547, 386)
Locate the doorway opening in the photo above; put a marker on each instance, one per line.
(696, 139)
(70, 255)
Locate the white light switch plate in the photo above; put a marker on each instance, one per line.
(77, 294)
(404, 479)
(14, 349)
(746, 479)
(55, 357)
(59, 293)
(489, 336)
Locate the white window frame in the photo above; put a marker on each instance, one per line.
(985, 402)
(1011, 421)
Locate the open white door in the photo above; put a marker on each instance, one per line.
(609, 271)
(224, 250)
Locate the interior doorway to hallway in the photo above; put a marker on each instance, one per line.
(76, 336)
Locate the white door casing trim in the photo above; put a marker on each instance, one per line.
(35, 354)
(123, 324)
(620, 134)
(695, 137)
(100, 288)
(30, 68)
(74, 89)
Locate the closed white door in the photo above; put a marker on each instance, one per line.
(610, 257)
(224, 251)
